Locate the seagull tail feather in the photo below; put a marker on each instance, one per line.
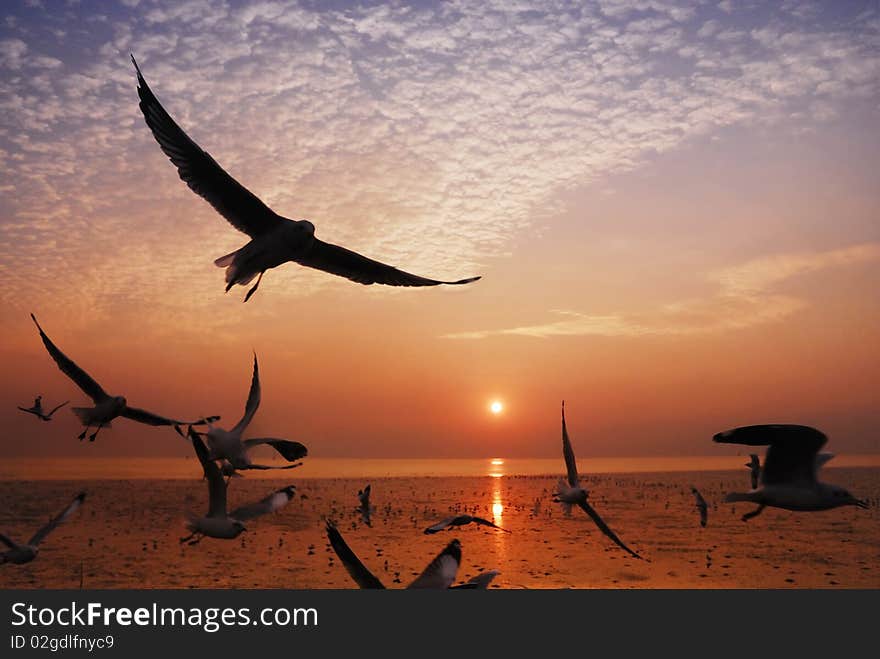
(85, 415)
(225, 261)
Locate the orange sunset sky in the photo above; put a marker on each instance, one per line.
(675, 210)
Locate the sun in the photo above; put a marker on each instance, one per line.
(496, 407)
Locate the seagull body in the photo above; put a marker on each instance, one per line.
(275, 240)
(701, 506)
(789, 476)
(106, 407)
(365, 509)
(218, 523)
(438, 575)
(461, 520)
(37, 409)
(569, 492)
(228, 446)
(27, 552)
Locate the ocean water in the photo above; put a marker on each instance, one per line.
(99, 468)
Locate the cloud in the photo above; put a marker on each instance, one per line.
(745, 298)
(427, 136)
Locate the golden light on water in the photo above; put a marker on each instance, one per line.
(496, 471)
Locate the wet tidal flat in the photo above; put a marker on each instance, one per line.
(126, 534)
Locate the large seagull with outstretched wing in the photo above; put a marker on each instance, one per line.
(274, 239)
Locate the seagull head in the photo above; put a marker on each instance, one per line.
(120, 400)
(298, 235)
(842, 497)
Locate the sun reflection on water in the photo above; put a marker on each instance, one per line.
(496, 471)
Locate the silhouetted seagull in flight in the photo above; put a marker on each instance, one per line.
(789, 475)
(571, 492)
(701, 506)
(25, 553)
(440, 573)
(274, 239)
(37, 409)
(217, 523)
(754, 465)
(227, 445)
(106, 407)
(365, 509)
(461, 520)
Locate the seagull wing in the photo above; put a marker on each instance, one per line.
(253, 401)
(40, 535)
(143, 416)
(791, 456)
(440, 526)
(570, 465)
(605, 528)
(701, 506)
(480, 581)
(288, 449)
(822, 458)
(440, 573)
(241, 208)
(486, 522)
(6, 541)
(57, 407)
(80, 378)
(358, 571)
(29, 411)
(216, 483)
(275, 501)
(351, 265)
(263, 467)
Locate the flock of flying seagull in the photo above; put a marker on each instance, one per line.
(787, 479)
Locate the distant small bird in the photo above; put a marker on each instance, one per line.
(274, 239)
(365, 509)
(27, 552)
(228, 446)
(106, 407)
(37, 409)
(789, 477)
(754, 465)
(701, 506)
(217, 523)
(570, 492)
(461, 520)
(440, 573)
